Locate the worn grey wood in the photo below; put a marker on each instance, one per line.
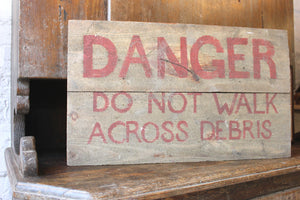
(16, 120)
(23, 105)
(130, 35)
(159, 93)
(28, 156)
(190, 127)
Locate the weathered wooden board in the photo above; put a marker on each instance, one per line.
(199, 58)
(157, 93)
(126, 128)
(42, 34)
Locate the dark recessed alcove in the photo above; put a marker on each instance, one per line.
(46, 120)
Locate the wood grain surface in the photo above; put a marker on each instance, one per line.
(146, 93)
(203, 69)
(242, 179)
(273, 14)
(43, 30)
(43, 24)
(128, 128)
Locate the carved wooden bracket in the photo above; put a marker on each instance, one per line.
(28, 157)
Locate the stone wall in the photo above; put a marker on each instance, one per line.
(5, 69)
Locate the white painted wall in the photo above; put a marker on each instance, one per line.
(5, 69)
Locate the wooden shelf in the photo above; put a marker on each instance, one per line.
(150, 181)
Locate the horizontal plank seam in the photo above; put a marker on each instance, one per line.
(176, 92)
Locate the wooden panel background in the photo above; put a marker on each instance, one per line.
(214, 12)
(276, 14)
(43, 24)
(43, 34)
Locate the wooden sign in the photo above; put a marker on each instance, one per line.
(157, 93)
